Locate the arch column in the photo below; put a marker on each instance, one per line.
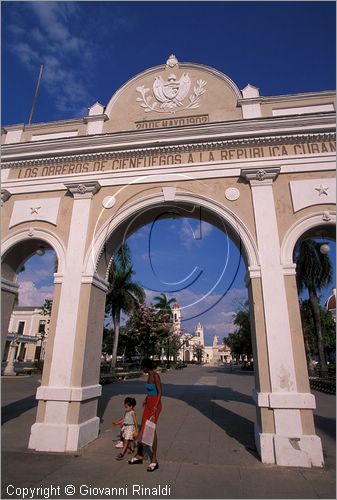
(67, 410)
(283, 432)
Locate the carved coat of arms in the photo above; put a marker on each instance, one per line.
(171, 95)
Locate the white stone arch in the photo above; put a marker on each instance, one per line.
(96, 248)
(299, 228)
(41, 234)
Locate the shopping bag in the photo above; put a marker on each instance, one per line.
(148, 432)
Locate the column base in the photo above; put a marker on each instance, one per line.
(300, 451)
(63, 437)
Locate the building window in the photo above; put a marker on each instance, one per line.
(6, 351)
(21, 327)
(22, 352)
(42, 327)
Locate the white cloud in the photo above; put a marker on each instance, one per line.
(194, 232)
(38, 268)
(51, 42)
(29, 57)
(29, 295)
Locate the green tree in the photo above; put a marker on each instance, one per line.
(198, 352)
(240, 341)
(150, 328)
(47, 307)
(313, 272)
(163, 304)
(124, 294)
(308, 326)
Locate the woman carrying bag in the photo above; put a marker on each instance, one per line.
(152, 408)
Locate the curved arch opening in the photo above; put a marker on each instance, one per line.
(28, 268)
(134, 216)
(314, 256)
(176, 227)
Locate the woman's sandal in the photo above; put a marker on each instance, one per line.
(153, 466)
(120, 456)
(135, 460)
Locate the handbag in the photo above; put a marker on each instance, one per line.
(148, 432)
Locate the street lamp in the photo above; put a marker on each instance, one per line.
(41, 336)
(40, 251)
(324, 248)
(9, 370)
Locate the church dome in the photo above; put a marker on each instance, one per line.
(330, 304)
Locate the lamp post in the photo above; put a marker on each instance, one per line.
(41, 337)
(9, 370)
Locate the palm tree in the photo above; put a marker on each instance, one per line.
(164, 306)
(313, 272)
(163, 303)
(124, 294)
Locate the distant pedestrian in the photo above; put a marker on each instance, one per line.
(152, 408)
(129, 429)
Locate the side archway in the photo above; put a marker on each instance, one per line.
(16, 249)
(324, 221)
(36, 234)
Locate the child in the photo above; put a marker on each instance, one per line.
(129, 429)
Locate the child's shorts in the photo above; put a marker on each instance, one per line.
(128, 432)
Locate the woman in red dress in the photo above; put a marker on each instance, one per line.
(152, 408)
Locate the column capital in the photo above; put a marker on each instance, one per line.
(96, 281)
(5, 195)
(289, 269)
(9, 286)
(260, 177)
(251, 273)
(83, 190)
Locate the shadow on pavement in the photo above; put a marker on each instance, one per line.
(15, 409)
(327, 425)
(201, 398)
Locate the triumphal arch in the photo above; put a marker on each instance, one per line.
(180, 137)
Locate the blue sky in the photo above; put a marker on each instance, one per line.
(90, 49)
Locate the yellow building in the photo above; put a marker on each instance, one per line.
(30, 329)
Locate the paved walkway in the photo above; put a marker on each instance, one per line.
(206, 445)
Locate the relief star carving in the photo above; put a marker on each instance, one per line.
(322, 189)
(34, 210)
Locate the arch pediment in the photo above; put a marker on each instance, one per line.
(174, 94)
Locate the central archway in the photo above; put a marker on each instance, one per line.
(135, 214)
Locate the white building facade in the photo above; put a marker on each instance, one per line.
(217, 353)
(30, 328)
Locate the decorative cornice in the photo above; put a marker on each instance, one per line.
(95, 118)
(297, 97)
(83, 190)
(249, 129)
(269, 140)
(260, 177)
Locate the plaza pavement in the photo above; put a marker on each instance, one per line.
(206, 445)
